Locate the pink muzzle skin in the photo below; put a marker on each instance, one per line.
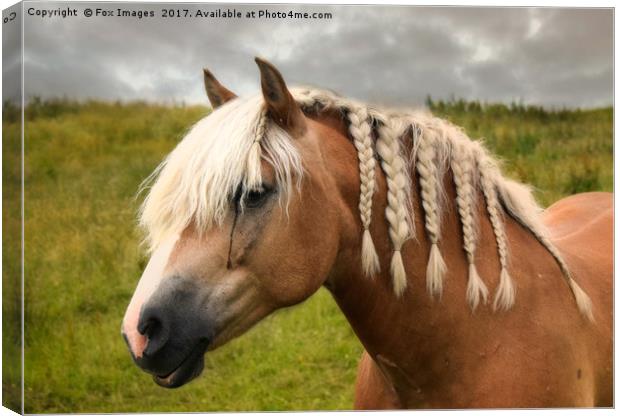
(135, 340)
(150, 280)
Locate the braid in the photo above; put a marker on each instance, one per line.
(462, 169)
(505, 293)
(429, 193)
(361, 131)
(394, 167)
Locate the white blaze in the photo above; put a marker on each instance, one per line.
(152, 276)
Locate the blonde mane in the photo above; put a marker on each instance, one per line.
(222, 152)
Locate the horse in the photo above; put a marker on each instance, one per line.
(463, 292)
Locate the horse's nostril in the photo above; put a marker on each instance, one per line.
(153, 326)
(148, 327)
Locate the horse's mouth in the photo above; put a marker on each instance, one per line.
(189, 369)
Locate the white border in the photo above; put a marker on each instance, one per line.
(507, 3)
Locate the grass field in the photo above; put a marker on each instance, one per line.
(83, 165)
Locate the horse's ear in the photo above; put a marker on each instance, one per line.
(281, 105)
(217, 93)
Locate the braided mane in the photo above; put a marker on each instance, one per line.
(437, 145)
(223, 151)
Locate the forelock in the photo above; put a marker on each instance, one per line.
(197, 180)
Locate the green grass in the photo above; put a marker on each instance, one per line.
(83, 166)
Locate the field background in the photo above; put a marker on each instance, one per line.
(84, 162)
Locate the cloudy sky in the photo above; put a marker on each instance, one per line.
(392, 55)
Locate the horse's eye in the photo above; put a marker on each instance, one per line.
(255, 197)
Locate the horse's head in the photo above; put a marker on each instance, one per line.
(243, 218)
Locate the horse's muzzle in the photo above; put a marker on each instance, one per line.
(174, 332)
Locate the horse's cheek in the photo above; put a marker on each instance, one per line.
(302, 254)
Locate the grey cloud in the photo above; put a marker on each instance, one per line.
(393, 55)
